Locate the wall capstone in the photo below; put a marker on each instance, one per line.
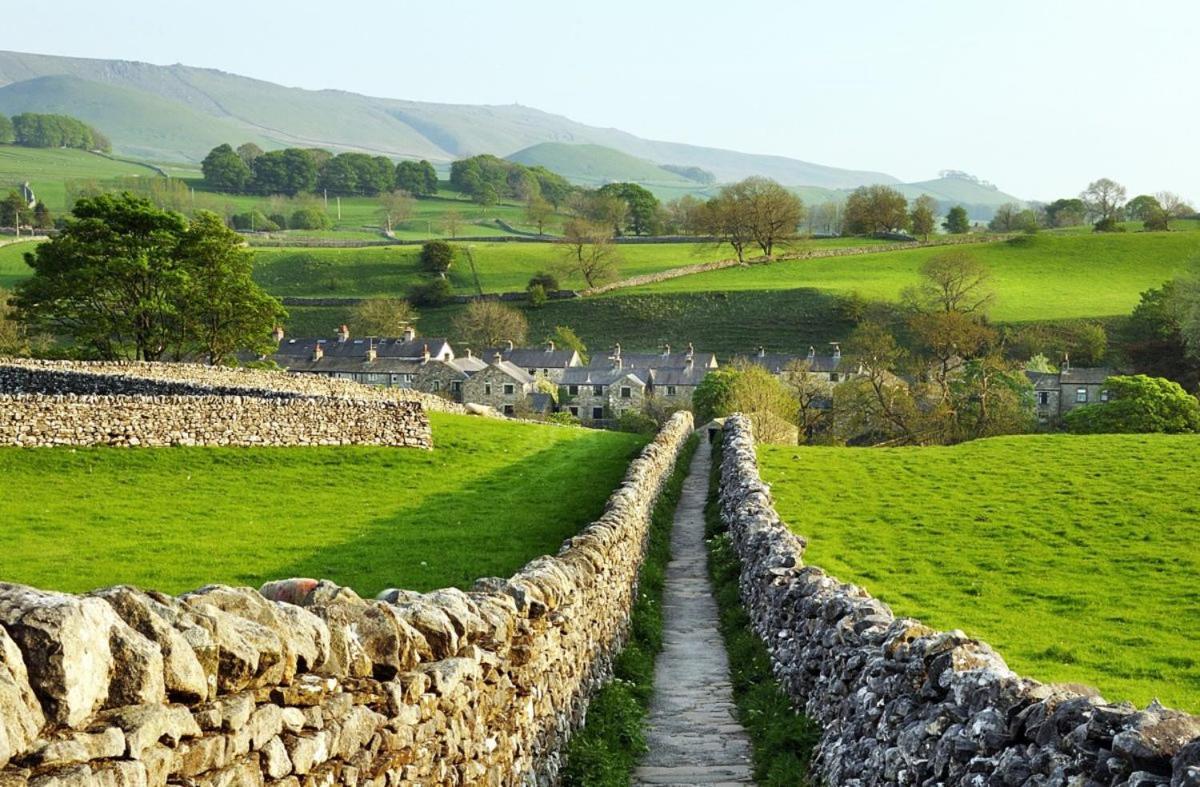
(901, 703)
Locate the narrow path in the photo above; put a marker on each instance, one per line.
(693, 735)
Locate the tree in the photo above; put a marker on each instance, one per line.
(547, 281)
(42, 219)
(7, 135)
(14, 339)
(922, 218)
(451, 221)
(417, 178)
(14, 211)
(436, 292)
(1065, 213)
(772, 213)
(1155, 340)
(1157, 220)
(394, 207)
(538, 212)
(956, 222)
(222, 310)
(641, 213)
(309, 218)
(871, 210)
(224, 170)
(565, 336)
(1142, 207)
(382, 317)
(1138, 404)
(487, 323)
(248, 152)
(291, 172)
(767, 402)
(1104, 199)
(953, 281)
(437, 256)
(1006, 218)
(813, 398)
(713, 397)
(1174, 205)
(590, 252)
(722, 217)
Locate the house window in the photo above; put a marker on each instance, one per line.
(456, 386)
(508, 409)
(508, 389)
(597, 390)
(626, 392)
(437, 385)
(1104, 396)
(532, 372)
(833, 377)
(1081, 395)
(573, 411)
(670, 390)
(573, 390)
(487, 389)
(1043, 397)
(546, 372)
(597, 413)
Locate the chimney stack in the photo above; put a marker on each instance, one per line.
(762, 351)
(550, 346)
(497, 358)
(617, 362)
(344, 334)
(691, 352)
(617, 350)
(511, 346)
(278, 334)
(812, 353)
(1066, 362)
(410, 333)
(837, 351)
(371, 353)
(666, 350)
(425, 354)
(318, 352)
(469, 354)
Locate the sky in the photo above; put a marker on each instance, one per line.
(1039, 97)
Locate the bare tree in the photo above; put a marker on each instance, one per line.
(722, 218)
(382, 317)
(813, 397)
(1174, 205)
(953, 281)
(451, 221)
(394, 207)
(1104, 198)
(589, 252)
(489, 324)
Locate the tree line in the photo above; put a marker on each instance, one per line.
(292, 171)
(35, 130)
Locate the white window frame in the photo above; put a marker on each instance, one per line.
(1081, 395)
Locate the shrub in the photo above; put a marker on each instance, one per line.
(309, 219)
(279, 220)
(547, 281)
(437, 256)
(1108, 225)
(253, 220)
(564, 418)
(433, 293)
(537, 296)
(637, 422)
(1138, 404)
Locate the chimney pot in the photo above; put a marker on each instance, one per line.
(762, 351)
(278, 334)
(318, 352)
(425, 354)
(409, 333)
(511, 347)
(469, 355)
(344, 334)
(550, 346)
(666, 350)
(497, 359)
(371, 353)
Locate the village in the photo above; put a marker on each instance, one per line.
(540, 381)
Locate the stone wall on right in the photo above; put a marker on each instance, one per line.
(903, 704)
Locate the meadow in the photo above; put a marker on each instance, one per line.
(1075, 557)
(12, 263)
(1040, 277)
(491, 496)
(48, 169)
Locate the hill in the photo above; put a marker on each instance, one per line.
(283, 512)
(595, 165)
(339, 120)
(1040, 545)
(48, 169)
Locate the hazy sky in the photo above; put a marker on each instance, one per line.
(1038, 96)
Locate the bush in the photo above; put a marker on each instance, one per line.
(564, 418)
(637, 422)
(1138, 404)
(1107, 225)
(433, 293)
(547, 281)
(309, 219)
(437, 256)
(254, 221)
(537, 296)
(279, 220)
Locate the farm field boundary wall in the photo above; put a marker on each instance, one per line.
(304, 683)
(901, 703)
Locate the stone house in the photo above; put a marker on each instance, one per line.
(1057, 393)
(598, 395)
(664, 360)
(831, 369)
(672, 387)
(503, 385)
(540, 362)
(388, 362)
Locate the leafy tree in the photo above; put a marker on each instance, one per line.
(537, 212)
(1138, 404)
(1155, 341)
(225, 170)
(642, 207)
(254, 221)
(953, 281)
(713, 397)
(871, 210)
(1065, 213)
(771, 213)
(56, 131)
(1142, 207)
(41, 216)
(394, 207)
(537, 296)
(382, 317)
(451, 221)
(291, 172)
(437, 256)
(1174, 205)
(553, 187)
(221, 309)
(436, 292)
(956, 222)
(417, 178)
(922, 218)
(309, 218)
(1005, 218)
(14, 211)
(1104, 199)
(564, 336)
(14, 339)
(7, 135)
(1157, 220)
(723, 218)
(248, 152)
(487, 323)
(590, 252)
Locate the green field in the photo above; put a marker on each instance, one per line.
(491, 496)
(1045, 277)
(12, 263)
(1076, 557)
(48, 169)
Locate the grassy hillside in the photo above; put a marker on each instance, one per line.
(339, 120)
(594, 165)
(12, 263)
(490, 496)
(47, 170)
(1039, 278)
(1076, 557)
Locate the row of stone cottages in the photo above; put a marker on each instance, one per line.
(507, 378)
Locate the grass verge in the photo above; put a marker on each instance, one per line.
(604, 752)
(782, 738)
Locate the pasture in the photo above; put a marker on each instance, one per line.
(12, 263)
(48, 169)
(491, 496)
(1043, 277)
(1076, 557)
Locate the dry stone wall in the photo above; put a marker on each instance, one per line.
(304, 683)
(903, 704)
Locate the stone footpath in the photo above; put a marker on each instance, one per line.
(693, 734)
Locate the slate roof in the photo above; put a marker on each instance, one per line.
(778, 362)
(673, 376)
(384, 348)
(1086, 375)
(512, 370)
(534, 357)
(358, 365)
(468, 364)
(590, 375)
(664, 360)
